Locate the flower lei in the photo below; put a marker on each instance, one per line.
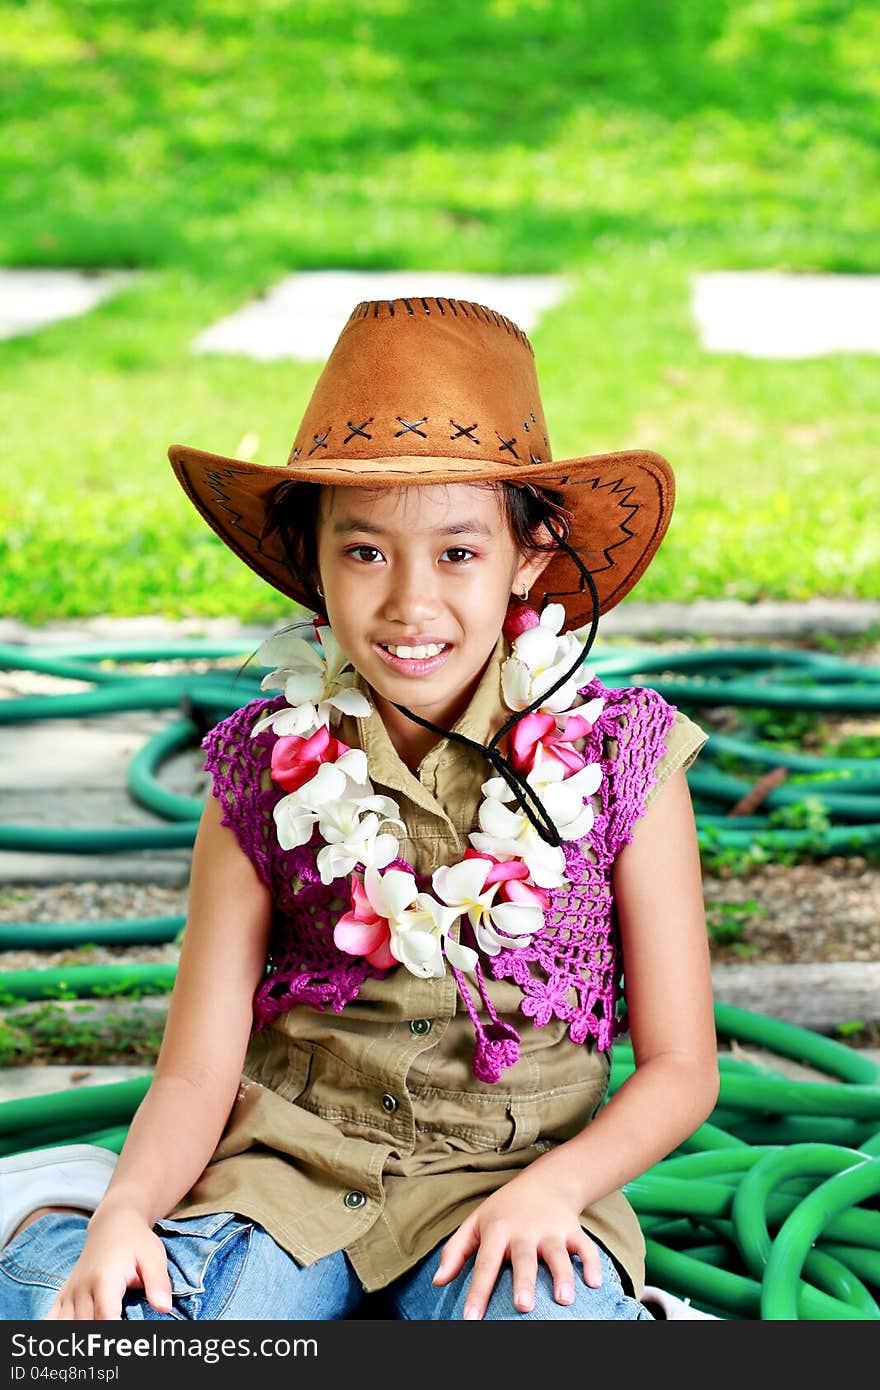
(501, 883)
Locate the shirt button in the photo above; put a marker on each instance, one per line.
(354, 1199)
(420, 1026)
(389, 1103)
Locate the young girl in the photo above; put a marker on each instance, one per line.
(439, 874)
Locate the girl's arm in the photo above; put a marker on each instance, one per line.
(175, 1129)
(659, 898)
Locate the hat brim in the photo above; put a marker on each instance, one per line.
(620, 505)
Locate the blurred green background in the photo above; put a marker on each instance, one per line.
(216, 147)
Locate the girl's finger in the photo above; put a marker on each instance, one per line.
(558, 1262)
(483, 1279)
(156, 1281)
(84, 1309)
(524, 1261)
(591, 1261)
(456, 1250)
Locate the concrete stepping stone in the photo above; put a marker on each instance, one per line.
(302, 315)
(769, 313)
(18, 1082)
(32, 299)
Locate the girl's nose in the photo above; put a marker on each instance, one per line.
(410, 597)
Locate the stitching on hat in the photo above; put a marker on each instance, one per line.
(469, 309)
(213, 477)
(358, 429)
(411, 426)
(464, 430)
(320, 441)
(507, 444)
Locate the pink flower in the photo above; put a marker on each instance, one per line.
(295, 760)
(509, 873)
(538, 728)
(520, 617)
(362, 932)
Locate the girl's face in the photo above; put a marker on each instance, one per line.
(419, 566)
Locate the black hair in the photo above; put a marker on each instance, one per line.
(293, 511)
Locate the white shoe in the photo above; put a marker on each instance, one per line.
(71, 1175)
(665, 1306)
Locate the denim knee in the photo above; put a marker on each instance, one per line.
(35, 1264)
(413, 1296)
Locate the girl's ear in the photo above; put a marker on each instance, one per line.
(532, 565)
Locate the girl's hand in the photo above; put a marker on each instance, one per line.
(121, 1252)
(520, 1222)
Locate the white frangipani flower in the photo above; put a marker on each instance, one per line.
(301, 720)
(539, 656)
(461, 886)
(419, 925)
(317, 681)
(294, 822)
(508, 833)
(353, 839)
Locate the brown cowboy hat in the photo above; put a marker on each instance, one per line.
(437, 390)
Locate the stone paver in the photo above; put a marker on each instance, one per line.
(32, 299)
(302, 315)
(775, 314)
(815, 994)
(17, 1082)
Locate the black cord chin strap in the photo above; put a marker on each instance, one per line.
(523, 792)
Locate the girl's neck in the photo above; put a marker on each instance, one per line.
(410, 741)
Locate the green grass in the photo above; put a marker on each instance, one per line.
(629, 145)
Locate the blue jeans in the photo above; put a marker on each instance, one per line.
(226, 1266)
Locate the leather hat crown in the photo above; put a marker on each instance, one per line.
(425, 390)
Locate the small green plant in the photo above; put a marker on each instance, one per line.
(786, 727)
(858, 1033)
(727, 921)
(854, 746)
(50, 1034)
(728, 861)
(843, 642)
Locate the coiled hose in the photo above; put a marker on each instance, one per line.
(770, 1209)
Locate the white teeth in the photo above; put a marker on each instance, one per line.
(415, 653)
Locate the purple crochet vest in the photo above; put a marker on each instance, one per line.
(576, 952)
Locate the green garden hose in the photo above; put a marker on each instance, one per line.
(733, 1218)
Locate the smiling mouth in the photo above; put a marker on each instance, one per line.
(414, 665)
(418, 651)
